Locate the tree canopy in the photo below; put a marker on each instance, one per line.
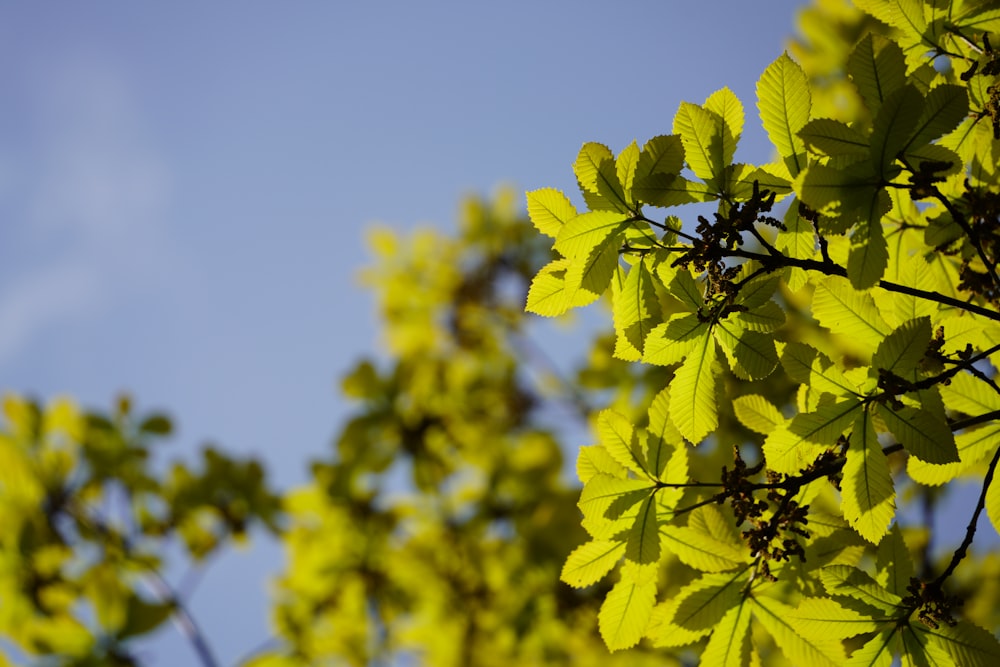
(799, 369)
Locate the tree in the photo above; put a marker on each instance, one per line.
(801, 368)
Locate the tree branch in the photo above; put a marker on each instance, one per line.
(970, 530)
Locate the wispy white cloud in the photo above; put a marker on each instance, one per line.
(89, 212)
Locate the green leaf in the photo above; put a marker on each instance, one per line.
(712, 521)
(580, 235)
(798, 240)
(693, 406)
(832, 138)
(877, 68)
(724, 104)
(845, 311)
(973, 445)
(619, 438)
(893, 127)
(847, 581)
(588, 163)
(869, 253)
(894, 563)
(784, 103)
(764, 318)
(610, 190)
(686, 289)
(788, 450)
(797, 359)
(758, 291)
(826, 378)
(703, 603)
(918, 649)
(984, 18)
(672, 341)
(934, 153)
(626, 610)
(966, 393)
(593, 273)
(156, 424)
(595, 459)
(549, 209)
(751, 354)
(868, 496)
(902, 350)
(741, 179)
(662, 156)
(968, 644)
(548, 295)
(843, 194)
(729, 644)
(667, 190)
(701, 133)
(643, 545)
(603, 494)
(945, 107)
(824, 618)
(589, 562)
(143, 617)
(636, 311)
(878, 652)
(626, 165)
(928, 438)
(757, 413)
(701, 551)
(777, 619)
(664, 438)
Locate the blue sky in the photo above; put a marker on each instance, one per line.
(184, 189)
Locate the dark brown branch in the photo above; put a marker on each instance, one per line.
(970, 530)
(775, 262)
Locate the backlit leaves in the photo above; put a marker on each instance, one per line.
(784, 103)
(810, 347)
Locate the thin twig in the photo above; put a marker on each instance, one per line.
(970, 530)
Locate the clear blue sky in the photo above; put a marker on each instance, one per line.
(184, 188)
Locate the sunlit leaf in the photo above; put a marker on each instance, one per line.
(625, 612)
(784, 103)
(867, 489)
(589, 562)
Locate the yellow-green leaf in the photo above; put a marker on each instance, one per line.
(848, 312)
(925, 436)
(643, 544)
(868, 496)
(877, 68)
(824, 618)
(848, 581)
(548, 295)
(549, 209)
(967, 644)
(636, 310)
(626, 611)
(587, 163)
(729, 645)
(619, 438)
(902, 350)
(703, 552)
(589, 562)
(784, 103)
(693, 406)
(757, 413)
(779, 621)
